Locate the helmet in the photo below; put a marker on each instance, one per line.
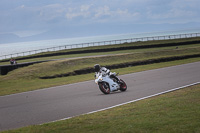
(97, 67)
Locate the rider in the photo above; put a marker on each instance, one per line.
(104, 71)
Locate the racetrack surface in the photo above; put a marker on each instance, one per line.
(50, 104)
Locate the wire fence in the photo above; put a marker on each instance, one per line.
(91, 44)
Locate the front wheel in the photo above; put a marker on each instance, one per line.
(123, 86)
(104, 87)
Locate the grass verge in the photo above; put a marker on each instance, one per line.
(65, 66)
(27, 78)
(177, 111)
(10, 84)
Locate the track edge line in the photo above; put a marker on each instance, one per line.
(157, 94)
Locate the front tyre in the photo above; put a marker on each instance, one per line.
(123, 86)
(104, 87)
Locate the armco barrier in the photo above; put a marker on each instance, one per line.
(106, 50)
(81, 45)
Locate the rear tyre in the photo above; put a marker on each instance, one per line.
(104, 87)
(123, 86)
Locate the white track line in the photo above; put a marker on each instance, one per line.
(130, 101)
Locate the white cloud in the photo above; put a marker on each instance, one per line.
(82, 11)
(102, 11)
(91, 13)
(106, 14)
(43, 15)
(84, 8)
(175, 11)
(50, 12)
(126, 14)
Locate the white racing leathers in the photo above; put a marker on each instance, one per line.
(104, 71)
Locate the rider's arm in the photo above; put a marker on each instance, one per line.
(105, 70)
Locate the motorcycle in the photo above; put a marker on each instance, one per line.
(109, 84)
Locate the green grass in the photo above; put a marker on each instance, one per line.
(64, 66)
(174, 112)
(27, 78)
(177, 111)
(11, 85)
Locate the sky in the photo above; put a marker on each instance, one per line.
(45, 19)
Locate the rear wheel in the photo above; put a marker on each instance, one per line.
(123, 86)
(104, 87)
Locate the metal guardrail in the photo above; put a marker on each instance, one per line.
(112, 42)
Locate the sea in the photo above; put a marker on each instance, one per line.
(19, 47)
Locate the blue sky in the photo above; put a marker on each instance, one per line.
(96, 17)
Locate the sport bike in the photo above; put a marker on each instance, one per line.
(109, 84)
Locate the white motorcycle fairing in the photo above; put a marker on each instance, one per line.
(113, 85)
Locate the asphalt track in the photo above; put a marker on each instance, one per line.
(55, 103)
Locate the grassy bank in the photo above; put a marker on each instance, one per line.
(10, 84)
(161, 44)
(176, 112)
(28, 78)
(65, 66)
